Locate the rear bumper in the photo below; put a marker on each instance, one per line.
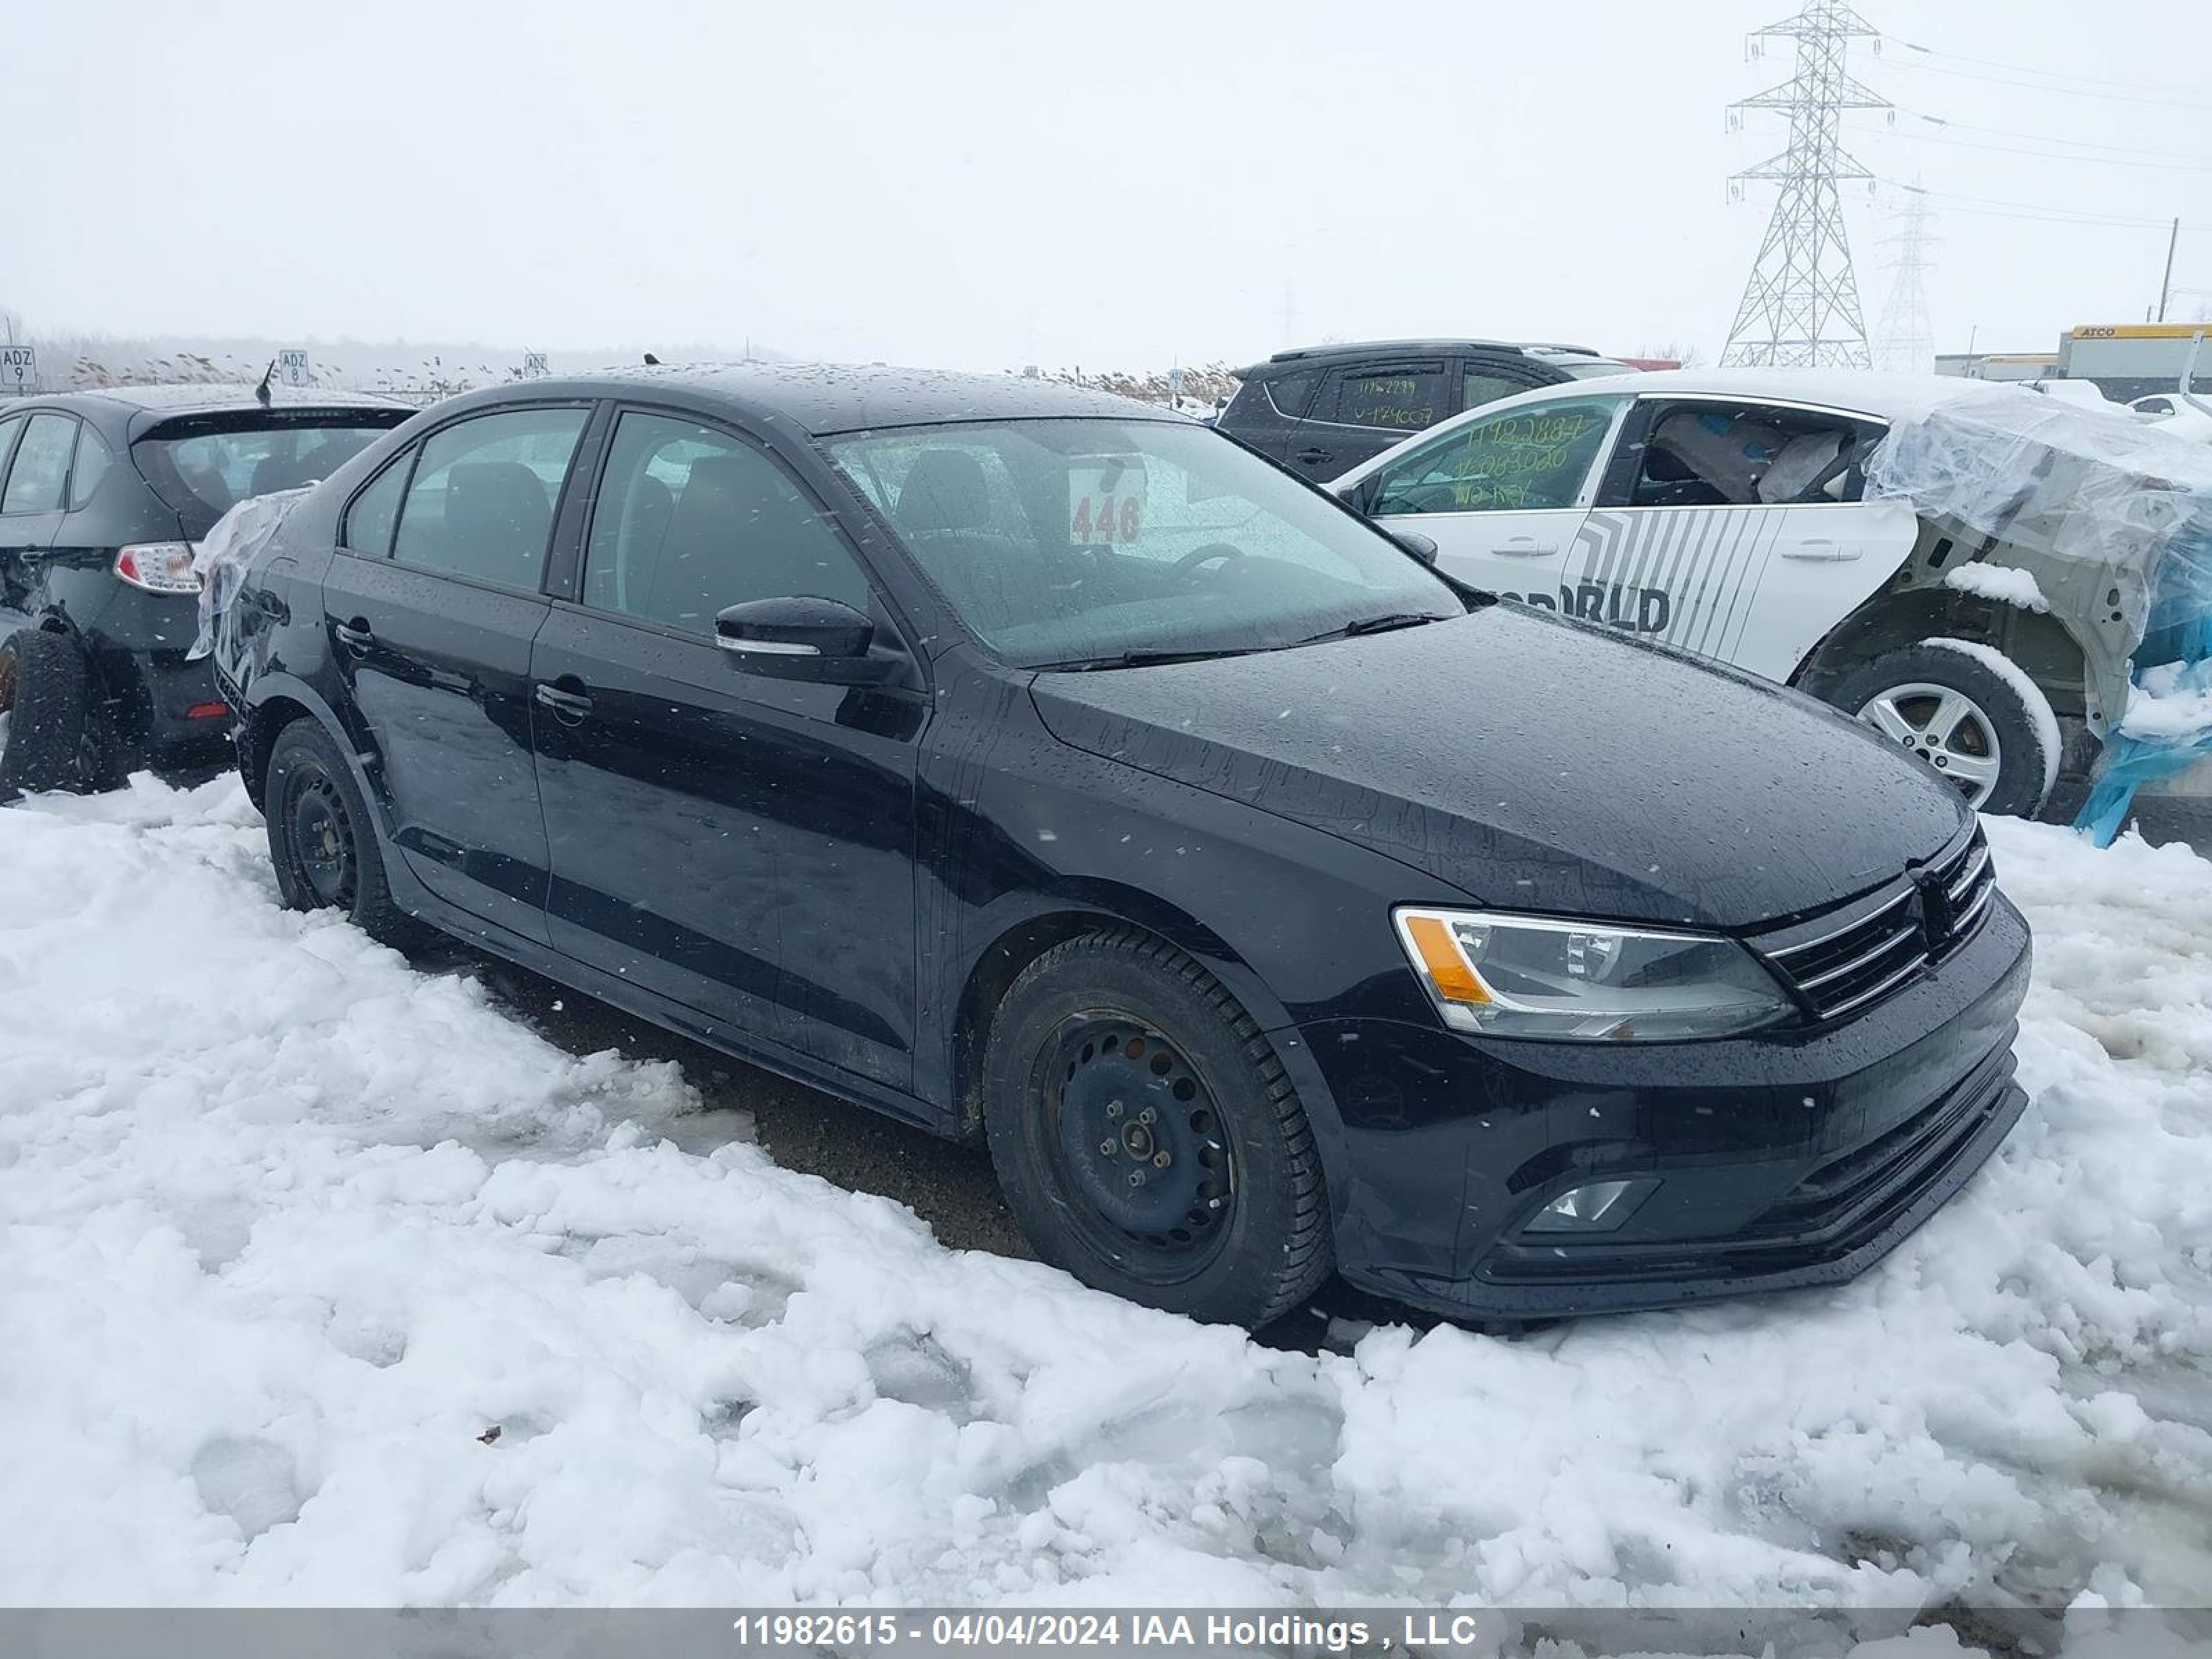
(1763, 1163)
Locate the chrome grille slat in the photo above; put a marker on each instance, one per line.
(1878, 945)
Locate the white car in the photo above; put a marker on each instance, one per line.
(1728, 513)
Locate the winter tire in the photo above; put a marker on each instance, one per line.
(321, 839)
(46, 702)
(1147, 1136)
(1989, 733)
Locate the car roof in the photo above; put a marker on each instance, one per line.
(204, 397)
(1370, 348)
(820, 398)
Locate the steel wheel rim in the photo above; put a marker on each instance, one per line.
(320, 832)
(1138, 1144)
(1946, 729)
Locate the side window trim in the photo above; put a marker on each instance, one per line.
(826, 512)
(11, 429)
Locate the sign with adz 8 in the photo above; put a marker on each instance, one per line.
(1105, 503)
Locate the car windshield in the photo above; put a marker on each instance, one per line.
(209, 464)
(1081, 542)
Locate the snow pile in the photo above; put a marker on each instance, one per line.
(2171, 703)
(291, 1227)
(2006, 584)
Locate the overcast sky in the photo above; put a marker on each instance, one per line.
(1111, 184)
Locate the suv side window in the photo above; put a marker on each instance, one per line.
(41, 474)
(1478, 386)
(375, 514)
(1400, 397)
(690, 521)
(1536, 457)
(481, 500)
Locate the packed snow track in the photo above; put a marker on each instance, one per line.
(291, 1228)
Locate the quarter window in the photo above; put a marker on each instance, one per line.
(690, 521)
(375, 511)
(40, 473)
(481, 505)
(94, 458)
(1521, 459)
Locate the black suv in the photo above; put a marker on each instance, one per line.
(1039, 766)
(103, 496)
(1320, 410)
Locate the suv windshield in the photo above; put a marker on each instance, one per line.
(1079, 542)
(209, 464)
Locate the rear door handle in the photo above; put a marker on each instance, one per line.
(1314, 457)
(568, 706)
(357, 636)
(1820, 547)
(1522, 547)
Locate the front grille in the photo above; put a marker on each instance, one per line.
(1851, 958)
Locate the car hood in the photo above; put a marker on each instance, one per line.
(1535, 765)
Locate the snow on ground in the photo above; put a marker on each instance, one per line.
(290, 1227)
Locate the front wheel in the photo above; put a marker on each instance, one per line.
(1147, 1138)
(1969, 713)
(320, 839)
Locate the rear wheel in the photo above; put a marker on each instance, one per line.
(320, 838)
(1146, 1135)
(1988, 733)
(45, 710)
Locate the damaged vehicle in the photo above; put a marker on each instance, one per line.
(104, 496)
(1052, 772)
(1969, 568)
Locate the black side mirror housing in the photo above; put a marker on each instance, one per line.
(825, 642)
(1423, 548)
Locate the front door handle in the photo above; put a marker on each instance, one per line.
(1820, 547)
(568, 706)
(356, 636)
(1522, 547)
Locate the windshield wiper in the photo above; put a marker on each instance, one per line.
(1373, 625)
(1147, 659)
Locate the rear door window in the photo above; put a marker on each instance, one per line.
(1401, 398)
(481, 500)
(39, 475)
(1718, 454)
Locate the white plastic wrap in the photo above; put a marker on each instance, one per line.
(2073, 483)
(223, 556)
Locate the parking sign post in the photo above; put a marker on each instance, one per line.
(533, 366)
(19, 368)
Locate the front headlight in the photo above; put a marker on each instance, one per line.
(1533, 976)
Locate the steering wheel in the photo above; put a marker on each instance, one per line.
(1187, 567)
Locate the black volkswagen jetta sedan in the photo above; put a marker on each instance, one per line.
(1041, 769)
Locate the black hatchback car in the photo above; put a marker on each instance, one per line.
(1320, 410)
(103, 496)
(1039, 769)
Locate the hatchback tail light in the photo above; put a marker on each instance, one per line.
(158, 567)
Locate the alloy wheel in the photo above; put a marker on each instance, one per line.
(1945, 727)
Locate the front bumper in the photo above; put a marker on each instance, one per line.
(1779, 1159)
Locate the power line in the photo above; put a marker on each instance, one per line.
(2039, 154)
(1988, 207)
(2136, 98)
(2049, 138)
(1801, 303)
(2030, 69)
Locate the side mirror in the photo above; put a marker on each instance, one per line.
(1358, 497)
(1421, 547)
(800, 638)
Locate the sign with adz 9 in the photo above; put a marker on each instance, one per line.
(19, 368)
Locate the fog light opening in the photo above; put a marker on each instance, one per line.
(1600, 1207)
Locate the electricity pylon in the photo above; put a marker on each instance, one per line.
(1904, 339)
(1800, 307)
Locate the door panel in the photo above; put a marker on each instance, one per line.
(1361, 411)
(438, 674)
